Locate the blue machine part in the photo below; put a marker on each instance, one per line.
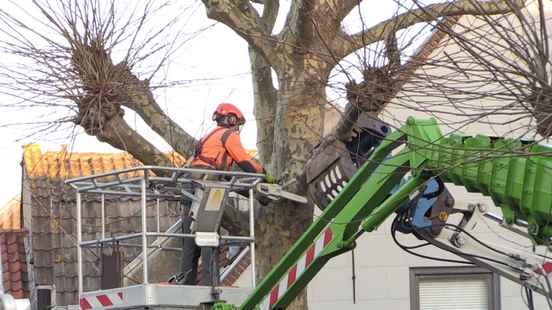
(424, 204)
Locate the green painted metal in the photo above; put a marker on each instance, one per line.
(516, 175)
(373, 195)
(383, 211)
(224, 306)
(329, 214)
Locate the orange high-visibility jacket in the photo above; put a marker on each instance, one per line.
(221, 148)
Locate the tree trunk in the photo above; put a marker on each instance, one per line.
(277, 229)
(265, 105)
(298, 128)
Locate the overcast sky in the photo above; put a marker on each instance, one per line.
(218, 56)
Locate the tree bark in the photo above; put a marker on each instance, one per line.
(265, 96)
(117, 133)
(136, 95)
(277, 228)
(298, 128)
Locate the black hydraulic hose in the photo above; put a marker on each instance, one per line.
(406, 249)
(354, 274)
(530, 302)
(459, 253)
(477, 240)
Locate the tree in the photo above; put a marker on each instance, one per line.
(74, 64)
(303, 54)
(498, 74)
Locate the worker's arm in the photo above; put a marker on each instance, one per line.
(239, 155)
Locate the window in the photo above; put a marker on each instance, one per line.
(111, 267)
(448, 288)
(45, 297)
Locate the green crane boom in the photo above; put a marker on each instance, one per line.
(516, 175)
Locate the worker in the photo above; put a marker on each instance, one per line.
(218, 150)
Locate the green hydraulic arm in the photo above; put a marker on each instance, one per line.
(517, 175)
(514, 174)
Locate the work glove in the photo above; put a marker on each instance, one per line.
(269, 178)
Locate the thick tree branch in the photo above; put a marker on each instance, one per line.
(350, 43)
(245, 21)
(121, 87)
(298, 32)
(344, 7)
(270, 13)
(263, 89)
(392, 51)
(136, 95)
(117, 133)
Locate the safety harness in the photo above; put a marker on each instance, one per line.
(213, 161)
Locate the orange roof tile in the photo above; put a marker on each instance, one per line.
(10, 215)
(64, 164)
(14, 267)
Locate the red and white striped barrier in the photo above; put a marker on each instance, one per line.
(295, 272)
(545, 269)
(101, 301)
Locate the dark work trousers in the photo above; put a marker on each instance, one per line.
(191, 252)
(190, 259)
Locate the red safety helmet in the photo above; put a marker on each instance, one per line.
(228, 109)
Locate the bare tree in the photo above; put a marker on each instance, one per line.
(73, 66)
(486, 69)
(291, 118)
(64, 57)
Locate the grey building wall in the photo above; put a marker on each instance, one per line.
(50, 218)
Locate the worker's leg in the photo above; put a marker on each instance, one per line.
(209, 269)
(190, 254)
(190, 251)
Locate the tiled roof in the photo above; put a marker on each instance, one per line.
(64, 164)
(52, 214)
(52, 202)
(10, 215)
(14, 267)
(12, 249)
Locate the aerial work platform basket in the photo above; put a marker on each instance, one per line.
(150, 184)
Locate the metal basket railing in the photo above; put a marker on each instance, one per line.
(155, 182)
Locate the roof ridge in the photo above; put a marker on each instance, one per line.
(10, 214)
(64, 164)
